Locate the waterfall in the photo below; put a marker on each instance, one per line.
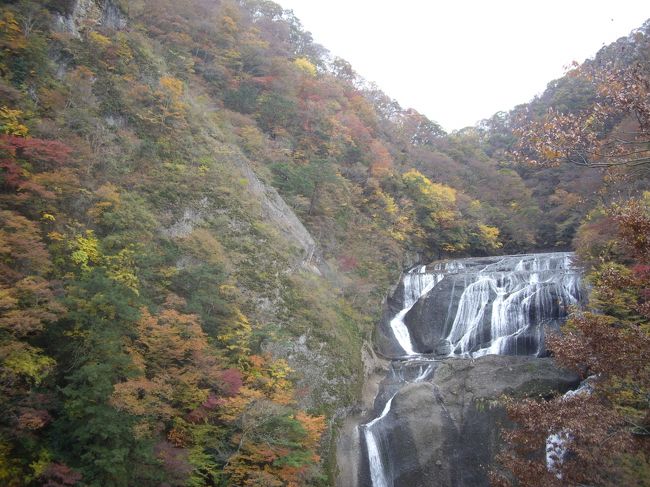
(421, 370)
(504, 305)
(417, 282)
(493, 306)
(508, 303)
(556, 443)
(377, 473)
(471, 310)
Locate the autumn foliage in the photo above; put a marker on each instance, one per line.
(151, 305)
(603, 433)
(612, 130)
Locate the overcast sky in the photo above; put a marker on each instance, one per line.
(459, 61)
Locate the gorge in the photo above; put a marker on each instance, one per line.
(459, 334)
(212, 232)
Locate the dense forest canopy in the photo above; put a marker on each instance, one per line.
(165, 319)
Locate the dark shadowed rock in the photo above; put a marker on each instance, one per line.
(430, 319)
(445, 431)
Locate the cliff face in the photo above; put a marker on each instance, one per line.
(253, 223)
(90, 14)
(444, 431)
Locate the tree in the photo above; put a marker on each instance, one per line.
(275, 443)
(307, 180)
(176, 392)
(275, 446)
(436, 212)
(613, 130)
(94, 436)
(27, 306)
(418, 130)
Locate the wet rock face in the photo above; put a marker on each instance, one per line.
(445, 430)
(384, 338)
(431, 318)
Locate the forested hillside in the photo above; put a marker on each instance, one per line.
(568, 189)
(201, 212)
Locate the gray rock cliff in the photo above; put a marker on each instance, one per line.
(444, 431)
(90, 13)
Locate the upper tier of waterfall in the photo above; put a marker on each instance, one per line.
(478, 306)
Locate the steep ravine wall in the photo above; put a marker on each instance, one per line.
(272, 258)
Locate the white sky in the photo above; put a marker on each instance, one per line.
(459, 61)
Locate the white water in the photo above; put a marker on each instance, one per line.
(377, 474)
(503, 304)
(556, 443)
(523, 293)
(417, 282)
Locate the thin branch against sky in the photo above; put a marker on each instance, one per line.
(461, 61)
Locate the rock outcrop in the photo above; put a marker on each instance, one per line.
(444, 431)
(280, 215)
(90, 13)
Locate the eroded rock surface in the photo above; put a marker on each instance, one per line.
(444, 431)
(90, 13)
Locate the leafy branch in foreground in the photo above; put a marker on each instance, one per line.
(614, 130)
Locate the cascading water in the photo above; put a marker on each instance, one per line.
(469, 308)
(512, 299)
(377, 474)
(416, 282)
(410, 372)
(556, 443)
(418, 372)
